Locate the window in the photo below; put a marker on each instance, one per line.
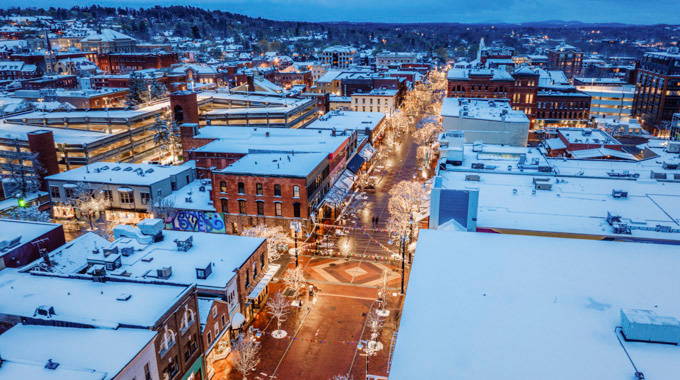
(260, 208)
(258, 189)
(54, 191)
(190, 348)
(296, 210)
(241, 188)
(223, 186)
(145, 198)
(224, 203)
(147, 372)
(214, 310)
(209, 337)
(241, 206)
(187, 320)
(296, 191)
(217, 329)
(277, 208)
(224, 320)
(173, 185)
(247, 279)
(167, 342)
(277, 190)
(126, 197)
(108, 195)
(70, 192)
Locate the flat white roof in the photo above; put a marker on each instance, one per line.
(103, 172)
(60, 135)
(276, 164)
(341, 120)
(85, 301)
(11, 229)
(492, 306)
(251, 140)
(578, 206)
(200, 200)
(482, 109)
(102, 350)
(28, 370)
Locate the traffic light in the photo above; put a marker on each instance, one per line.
(22, 202)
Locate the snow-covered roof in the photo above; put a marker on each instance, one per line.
(520, 307)
(200, 200)
(11, 369)
(61, 135)
(276, 164)
(106, 35)
(26, 231)
(66, 259)
(250, 140)
(85, 301)
(601, 153)
(482, 109)
(341, 120)
(95, 115)
(127, 173)
(575, 206)
(465, 74)
(204, 306)
(114, 348)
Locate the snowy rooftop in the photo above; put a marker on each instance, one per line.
(276, 164)
(497, 159)
(11, 369)
(250, 140)
(66, 259)
(575, 206)
(38, 344)
(128, 174)
(27, 231)
(341, 120)
(106, 35)
(586, 136)
(482, 109)
(200, 200)
(61, 135)
(525, 308)
(465, 74)
(85, 301)
(96, 115)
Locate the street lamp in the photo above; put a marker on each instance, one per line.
(296, 227)
(149, 87)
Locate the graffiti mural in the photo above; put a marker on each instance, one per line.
(197, 221)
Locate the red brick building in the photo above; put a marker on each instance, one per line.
(122, 63)
(566, 58)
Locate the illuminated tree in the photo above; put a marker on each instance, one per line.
(295, 279)
(246, 354)
(277, 240)
(277, 307)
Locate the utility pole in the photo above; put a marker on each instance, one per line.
(403, 261)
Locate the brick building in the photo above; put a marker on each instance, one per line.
(657, 95)
(22, 241)
(566, 58)
(123, 63)
(340, 56)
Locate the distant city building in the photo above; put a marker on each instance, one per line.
(387, 58)
(384, 101)
(610, 98)
(22, 242)
(108, 41)
(123, 63)
(340, 56)
(566, 58)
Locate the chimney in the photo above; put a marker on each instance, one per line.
(251, 83)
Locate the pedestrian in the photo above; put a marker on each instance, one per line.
(376, 221)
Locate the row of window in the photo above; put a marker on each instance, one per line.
(125, 197)
(259, 189)
(242, 207)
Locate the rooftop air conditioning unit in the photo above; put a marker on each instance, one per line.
(164, 273)
(647, 326)
(472, 177)
(619, 194)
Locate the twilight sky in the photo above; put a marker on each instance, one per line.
(627, 11)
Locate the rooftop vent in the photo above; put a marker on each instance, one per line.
(127, 251)
(619, 194)
(164, 273)
(670, 165)
(124, 297)
(472, 177)
(115, 169)
(45, 311)
(51, 365)
(128, 169)
(647, 326)
(203, 273)
(184, 245)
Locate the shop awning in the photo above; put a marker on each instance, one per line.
(125, 189)
(264, 281)
(237, 320)
(340, 189)
(355, 163)
(367, 152)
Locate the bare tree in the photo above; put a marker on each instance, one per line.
(89, 201)
(295, 279)
(31, 213)
(23, 169)
(375, 323)
(277, 240)
(342, 377)
(162, 208)
(383, 291)
(406, 198)
(246, 354)
(277, 307)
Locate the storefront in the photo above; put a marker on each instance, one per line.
(195, 372)
(259, 294)
(219, 350)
